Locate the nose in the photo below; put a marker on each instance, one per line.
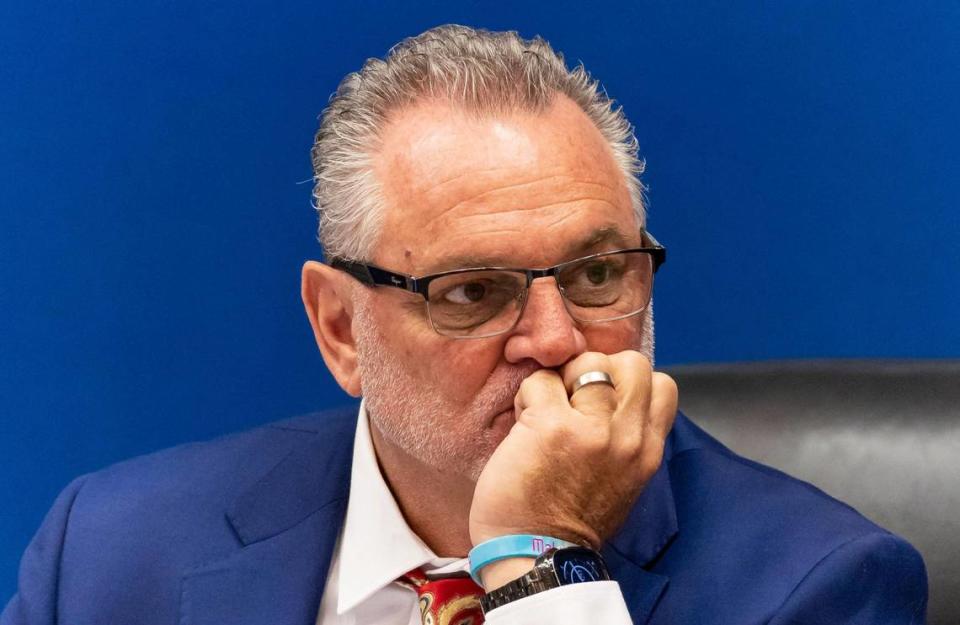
(545, 332)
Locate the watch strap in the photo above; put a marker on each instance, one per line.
(542, 577)
(526, 585)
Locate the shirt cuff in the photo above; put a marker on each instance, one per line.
(574, 604)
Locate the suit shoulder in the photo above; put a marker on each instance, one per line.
(756, 535)
(761, 502)
(127, 534)
(192, 483)
(875, 578)
(223, 461)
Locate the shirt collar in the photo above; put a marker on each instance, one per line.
(377, 545)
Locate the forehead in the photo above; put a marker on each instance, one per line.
(519, 187)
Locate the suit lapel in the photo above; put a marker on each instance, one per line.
(641, 589)
(287, 524)
(648, 531)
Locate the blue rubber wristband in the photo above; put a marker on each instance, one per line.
(511, 546)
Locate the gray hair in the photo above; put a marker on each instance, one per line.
(483, 71)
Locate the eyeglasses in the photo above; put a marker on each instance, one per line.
(486, 301)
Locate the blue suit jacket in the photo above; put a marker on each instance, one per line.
(241, 531)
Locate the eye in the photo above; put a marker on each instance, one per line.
(468, 293)
(597, 273)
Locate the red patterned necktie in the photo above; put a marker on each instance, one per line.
(452, 599)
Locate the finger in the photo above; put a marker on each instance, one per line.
(660, 416)
(599, 399)
(663, 404)
(632, 375)
(543, 388)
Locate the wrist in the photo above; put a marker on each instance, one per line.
(584, 537)
(501, 572)
(520, 548)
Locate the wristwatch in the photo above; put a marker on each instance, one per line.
(553, 568)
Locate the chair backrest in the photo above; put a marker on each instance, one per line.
(882, 436)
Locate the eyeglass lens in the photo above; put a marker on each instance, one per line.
(478, 303)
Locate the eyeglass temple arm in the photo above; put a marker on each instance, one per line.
(659, 253)
(373, 275)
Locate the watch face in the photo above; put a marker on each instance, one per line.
(575, 565)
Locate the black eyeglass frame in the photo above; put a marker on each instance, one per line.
(372, 275)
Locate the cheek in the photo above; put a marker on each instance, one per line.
(613, 337)
(408, 335)
(451, 368)
(463, 367)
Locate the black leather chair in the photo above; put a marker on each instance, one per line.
(883, 436)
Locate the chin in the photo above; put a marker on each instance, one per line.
(487, 443)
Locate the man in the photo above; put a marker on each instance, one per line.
(487, 292)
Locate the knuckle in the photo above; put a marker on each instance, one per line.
(537, 380)
(665, 384)
(641, 364)
(529, 416)
(667, 394)
(589, 361)
(634, 360)
(541, 376)
(532, 380)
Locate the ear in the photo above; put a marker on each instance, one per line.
(326, 298)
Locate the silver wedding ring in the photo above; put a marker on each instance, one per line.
(591, 377)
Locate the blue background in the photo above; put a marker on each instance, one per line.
(154, 209)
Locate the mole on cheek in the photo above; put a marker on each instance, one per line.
(408, 254)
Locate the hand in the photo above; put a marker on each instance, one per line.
(572, 467)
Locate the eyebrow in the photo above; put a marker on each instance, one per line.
(599, 238)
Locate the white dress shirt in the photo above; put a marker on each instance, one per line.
(376, 546)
